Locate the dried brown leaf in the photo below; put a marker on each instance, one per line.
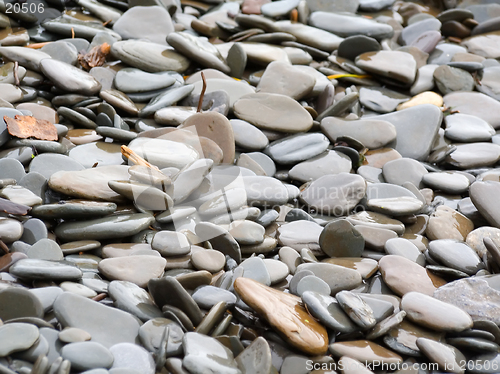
(30, 127)
(96, 56)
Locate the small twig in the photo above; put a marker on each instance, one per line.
(294, 16)
(16, 73)
(135, 158)
(38, 45)
(202, 95)
(4, 247)
(107, 22)
(100, 296)
(72, 33)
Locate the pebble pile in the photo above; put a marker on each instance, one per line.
(249, 187)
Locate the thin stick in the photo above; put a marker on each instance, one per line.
(202, 95)
(16, 73)
(4, 247)
(38, 45)
(72, 33)
(107, 22)
(135, 158)
(99, 297)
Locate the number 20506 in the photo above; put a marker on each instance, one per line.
(24, 8)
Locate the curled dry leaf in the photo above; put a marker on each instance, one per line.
(30, 127)
(9, 207)
(96, 56)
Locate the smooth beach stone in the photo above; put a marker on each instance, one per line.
(164, 153)
(119, 100)
(10, 93)
(380, 99)
(283, 78)
(233, 88)
(448, 182)
(405, 248)
(256, 357)
(104, 154)
(15, 337)
(404, 170)
(328, 311)
(278, 271)
(107, 326)
(151, 335)
(446, 356)
(155, 21)
(375, 238)
(20, 195)
(456, 255)
(248, 136)
(403, 338)
(341, 239)
(357, 309)
(246, 232)
(10, 230)
(69, 78)
(29, 58)
(229, 201)
(365, 351)
(426, 97)
(255, 268)
(403, 65)
(353, 46)
(11, 168)
(328, 162)
(345, 25)
(372, 133)
(105, 228)
(128, 356)
(210, 260)
(136, 80)
(61, 51)
(414, 30)
(297, 148)
(73, 335)
(480, 194)
(403, 276)
(475, 104)
(48, 163)
(207, 296)
(173, 115)
(483, 45)
(334, 194)
(45, 249)
(273, 112)
(489, 82)
(449, 79)
(165, 98)
(424, 80)
(87, 355)
(446, 223)
(300, 234)
(148, 56)
(206, 354)
(376, 220)
(475, 239)
(339, 278)
(73, 209)
(44, 269)
(408, 123)
(170, 243)
(18, 302)
(220, 238)
(364, 266)
(143, 195)
(134, 269)
(91, 183)
(432, 313)
(311, 36)
(291, 321)
(168, 291)
(34, 229)
(474, 155)
(277, 9)
(198, 49)
(473, 296)
(275, 192)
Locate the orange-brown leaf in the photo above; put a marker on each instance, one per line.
(30, 127)
(96, 56)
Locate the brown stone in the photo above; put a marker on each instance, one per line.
(252, 6)
(403, 276)
(366, 267)
(365, 351)
(135, 269)
(447, 223)
(285, 313)
(379, 157)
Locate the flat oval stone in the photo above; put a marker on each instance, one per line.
(339, 278)
(150, 57)
(210, 260)
(466, 128)
(357, 309)
(164, 153)
(135, 269)
(257, 356)
(300, 234)
(446, 223)
(311, 36)
(10, 230)
(297, 148)
(437, 315)
(456, 255)
(87, 355)
(170, 243)
(15, 337)
(248, 136)
(446, 356)
(105, 228)
(43, 270)
(480, 193)
(365, 351)
(449, 182)
(133, 299)
(341, 239)
(73, 335)
(151, 334)
(334, 194)
(48, 163)
(128, 356)
(273, 112)
(403, 66)
(137, 80)
(69, 78)
(17, 303)
(475, 104)
(73, 209)
(329, 162)
(474, 155)
(299, 330)
(403, 276)
(405, 248)
(114, 326)
(276, 192)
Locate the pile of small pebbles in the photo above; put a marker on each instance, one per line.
(250, 186)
